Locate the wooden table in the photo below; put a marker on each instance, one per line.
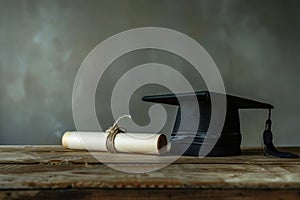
(48, 172)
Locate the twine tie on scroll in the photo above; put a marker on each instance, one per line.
(112, 133)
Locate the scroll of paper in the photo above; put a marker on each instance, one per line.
(123, 142)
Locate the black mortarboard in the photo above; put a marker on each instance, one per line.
(228, 141)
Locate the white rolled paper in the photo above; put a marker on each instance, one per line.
(124, 142)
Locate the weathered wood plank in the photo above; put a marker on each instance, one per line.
(153, 194)
(52, 172)
(188, 176)
(57, 154)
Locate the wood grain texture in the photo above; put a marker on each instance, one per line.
(40, 171)
(178, 194)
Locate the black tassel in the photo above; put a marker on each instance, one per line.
(270, 149)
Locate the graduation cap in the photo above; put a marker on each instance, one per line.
(227, 143)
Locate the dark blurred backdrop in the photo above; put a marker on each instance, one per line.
(254, 43)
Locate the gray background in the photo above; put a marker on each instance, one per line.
(254, 43)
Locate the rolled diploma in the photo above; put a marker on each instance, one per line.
(124, 142)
